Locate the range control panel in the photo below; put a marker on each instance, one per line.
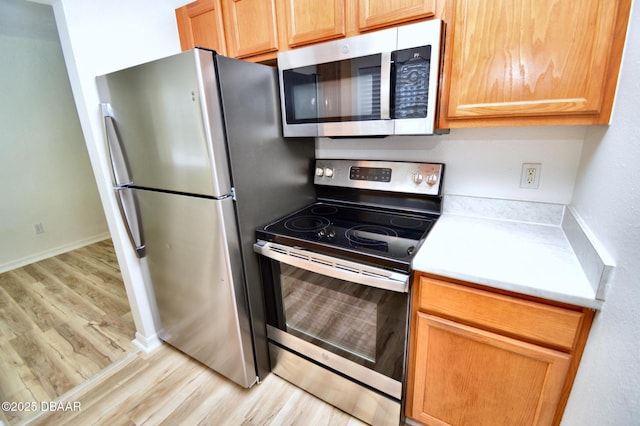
(395, 176)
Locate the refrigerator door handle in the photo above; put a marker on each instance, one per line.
(128, 205)
(119, 165)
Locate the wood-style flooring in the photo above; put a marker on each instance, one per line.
(169, 388)
(62, 321)
(65, 348)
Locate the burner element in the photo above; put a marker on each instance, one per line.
(307, 223)
(323, 210)
(370, 235)
(407, 222)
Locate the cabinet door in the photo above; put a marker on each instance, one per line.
(379, 13)
(467, 376)
(533, 60)
(250, 27)
(310, 21)
(200, 25)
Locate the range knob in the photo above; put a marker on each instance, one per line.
(328, 172)
(319, 171)
(417, 178)
(328, 233)
(432, 179)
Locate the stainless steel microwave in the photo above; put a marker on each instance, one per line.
(376, 84)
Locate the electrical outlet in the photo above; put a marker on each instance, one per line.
(39, 228)
(530, 177)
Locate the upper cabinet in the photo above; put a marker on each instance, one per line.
(313, 21)
(250, 26)
(382, 13)
(200, 25)
(530, 62)
(256, 30)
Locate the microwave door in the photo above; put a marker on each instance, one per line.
(375, 84)
(348, 97)
(355, 96)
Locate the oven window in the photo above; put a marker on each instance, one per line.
(364, 324)
(331, 316)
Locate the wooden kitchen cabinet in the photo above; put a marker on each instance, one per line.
(472, 376)
(313, 21)
(251, 27)
(478, 357)
(374, 14)
(532, 62)
(256, 30)
(200, 25)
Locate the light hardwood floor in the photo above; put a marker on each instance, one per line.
(65, 332)
(62, 321)
(169, 388)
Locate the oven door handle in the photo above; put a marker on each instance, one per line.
(334, 267)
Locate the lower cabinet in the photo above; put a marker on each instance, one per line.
(482, 358)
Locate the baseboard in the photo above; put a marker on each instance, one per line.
(52, 252)
(411, 422)
(147, 344)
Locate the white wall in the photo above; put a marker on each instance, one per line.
(98, 37)
(45, 174)
(482, 162)
(607, 196)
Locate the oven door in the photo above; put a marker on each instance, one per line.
(343, 315)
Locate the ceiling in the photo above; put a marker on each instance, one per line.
(25, 19)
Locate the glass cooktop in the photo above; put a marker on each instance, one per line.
(360, 230)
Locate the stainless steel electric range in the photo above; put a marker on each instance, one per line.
(336, 276)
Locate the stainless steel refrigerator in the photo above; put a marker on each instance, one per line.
(198, 164)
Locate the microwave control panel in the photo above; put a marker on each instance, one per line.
(395, 176)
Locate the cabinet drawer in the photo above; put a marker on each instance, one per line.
(532, 321)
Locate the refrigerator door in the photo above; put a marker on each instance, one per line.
(196, 274)
(166, 115)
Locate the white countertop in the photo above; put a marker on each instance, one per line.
(535, 259)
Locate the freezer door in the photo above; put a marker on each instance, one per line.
(196, 273)
(167, 119)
